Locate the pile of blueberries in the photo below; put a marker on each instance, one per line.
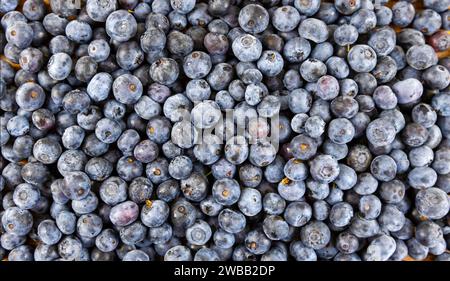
(102, 103)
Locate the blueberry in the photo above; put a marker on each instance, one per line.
(182, 213)
(164, 71)
(285, 18)
(21, 253)
(362, 58)
(20, 34)
(432, 203)
(107, 130)
(315, 235)
(124, 213)
(178, 253)
(324, 168)
(231, 221)
(314, 30)
(26, 196)
(253, 18)
(154, 213)
(121, 25)
(421, 57)
(327, 87)
(99, 10)
(85, 205)
(30, 96)
(76, 185)
(270, 63)
(383, 168)
(416, 250)
(17, 221)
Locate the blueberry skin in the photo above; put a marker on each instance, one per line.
(127, 89)
(285, 18)
(194, 187)
(73, 137)
(347, 177)
(300, 252)
(416, 250)
(21, 253)
(392, 191)
(380, 249)
(121, 25)
(432, 211)
(250, 175)
(71, 161)
(298, 214)
(76, 185)
(256, 242)
(47, 150)
(107, 130)
(157, 171)
(17, 221)
(303, 147)
(199, 233)
(129, 56)
(48, 232)
(164, 71)
(421, 57)
(273, 204)
(247, 48)
(78, 31)
(383, 168)
(327, 87)
(59, 66)
(250, 202)
(76, 101)
(345, 35)
(99, 10)
(197, 65)
(206, 254)
(17, 126)
(31, 60)
(20, 34)
(26, 196)
(66, 222)
(324, 168)
(362, 58)
(161, 234)
(69, 248)
(341, 131)
(136, 256)
(107, 240)
(8, 6)
(253, 18)
(270, 63)
(296, 49)
(146, 151)
(178, 253)
(391, 218)
(155, 213)
(10, 241)
(85, 68)
(231, 221)
(380, 133)
(364, 19)
(124, 213)
(314, 30)
(30, 96)
(85, 205)
(316, 235)
(337, 67)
